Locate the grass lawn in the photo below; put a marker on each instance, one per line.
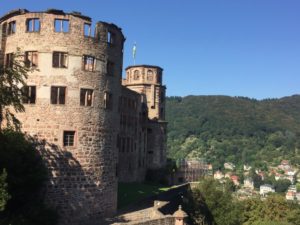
(133, 192)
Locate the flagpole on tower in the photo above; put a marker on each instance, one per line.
(134, 52)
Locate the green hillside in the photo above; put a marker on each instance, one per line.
(234, 129)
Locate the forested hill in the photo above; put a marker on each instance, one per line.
(234, 129)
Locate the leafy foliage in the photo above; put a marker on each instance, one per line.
(234, 129)
(12, 78)
(25, 176)
(212, 203)
(4, 196)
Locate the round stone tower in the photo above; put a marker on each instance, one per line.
(71, 105)
(147, 80)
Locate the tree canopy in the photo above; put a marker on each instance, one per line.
(234, 129)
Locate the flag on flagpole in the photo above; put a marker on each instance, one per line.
(134, 52)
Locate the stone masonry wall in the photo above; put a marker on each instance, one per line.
(82, 182)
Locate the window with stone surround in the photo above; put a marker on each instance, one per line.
(89, 63)
(4, 29)
(69, 138)
(31, 59)
(136, 75)
(61, 25)
(86, 97)
(11, 28)
(9, 60)
(60, 60)
(149, 75)
(108, 100)
(29, 94)
(87, 29)
(110, 37)
(33, 25)
(110, 68)
(58, 95)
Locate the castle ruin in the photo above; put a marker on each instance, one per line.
(93, 127)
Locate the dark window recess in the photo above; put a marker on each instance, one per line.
(86, 97)
(31, 59)
(33, 25)
(4, 29)
(60, 60)
(29, 94)
(110, 37)
(150, 152)
(108, 100)
(136, 75)
(9, 60)
(11, 28)
(89, 63)
(69, 137)
(58, 95)
(110, 68)
(61, 25)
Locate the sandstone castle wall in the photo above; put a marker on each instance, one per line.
(91, 130)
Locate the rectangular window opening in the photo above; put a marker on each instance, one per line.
(31, 59)
(69, 138)
(29, 94)
(87, 30)
(33, 25)
(58, 95)
(60, 60)
(110, 68)
(86, 97)
(9, 60)
(89, 63)
(61, 25)
(108, 100)
(110, 37)
(11, 28)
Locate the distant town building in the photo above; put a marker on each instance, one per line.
(247, 167)
(265, 189)
(248, 183)
(235, 180)
(191, 170)
(229, 166)
(218, 175)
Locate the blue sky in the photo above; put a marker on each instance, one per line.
(233, 47)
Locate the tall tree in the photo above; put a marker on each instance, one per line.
(13, 75)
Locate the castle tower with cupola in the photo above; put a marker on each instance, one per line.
(147, 81)
(92, 128)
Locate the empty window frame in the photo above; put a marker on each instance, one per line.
(58, 95)
(31, 59)
(29, 94)
(150, 75)
(108, 100)
(9, 60)
(86, 97)
(136, 75)
(33, 25)
(87, 27)
(89, 63)
(11, 28)
(69, 138)
(110, 37)
(110, 68)
(60, 60)
(61, 25)
(4, 29)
